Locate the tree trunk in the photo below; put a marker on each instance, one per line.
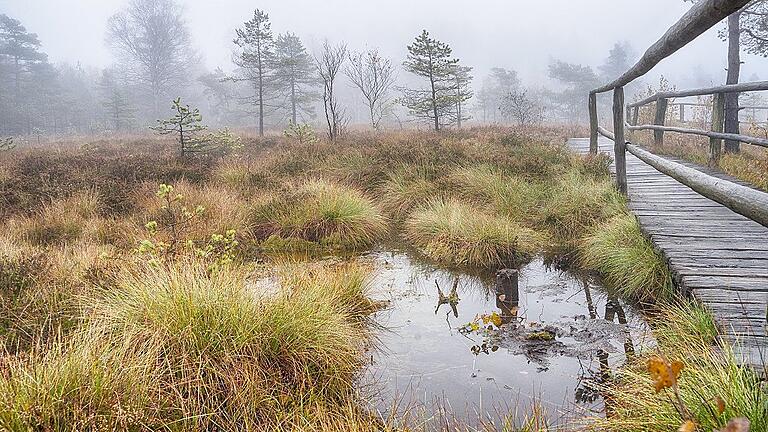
(293, 100)
(434, 103)
(734, 68)
(261, 104)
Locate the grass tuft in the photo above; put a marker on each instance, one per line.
(627, 260)
(454, 232)
(331, 215)
(685, 332)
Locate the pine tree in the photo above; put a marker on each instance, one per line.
(21, 59)
(256, 58)
(463, 92)
(116, 105)
(187, 124)
(432, 60)
(295, 75)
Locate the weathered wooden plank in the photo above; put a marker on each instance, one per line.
(748, 202)
(716, 255)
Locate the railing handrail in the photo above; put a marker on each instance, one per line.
(716, 135)
(701, 17)
(729, 88)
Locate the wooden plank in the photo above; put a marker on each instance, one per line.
(716, 255)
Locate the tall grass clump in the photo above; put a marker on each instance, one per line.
(752, 169)
(321, 212)
(61, 221)
(408, 187)
(626, 259)
(577, 202)
(457, 233)
(711, 373)
(214, 353)
(488, 186)
(83, 384)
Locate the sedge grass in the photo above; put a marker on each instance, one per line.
(320, 211)
(627, 260)
(457, 233)
(711, 371)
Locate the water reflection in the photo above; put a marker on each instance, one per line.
(451, 299)
(422, 359)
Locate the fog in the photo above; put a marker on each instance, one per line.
(519, 35)
(525, 37)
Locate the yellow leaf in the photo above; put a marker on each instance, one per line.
(688, 426)
(496, 319)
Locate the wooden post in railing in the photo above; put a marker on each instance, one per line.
(718, 120)
(593, 123)
(635, 115)
(659, 120)
(682, 113)
(620, 145)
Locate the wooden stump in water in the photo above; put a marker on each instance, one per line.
(507, 294)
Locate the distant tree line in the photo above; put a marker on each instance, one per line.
(275, 82)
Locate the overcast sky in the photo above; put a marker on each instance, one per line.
(516, 34)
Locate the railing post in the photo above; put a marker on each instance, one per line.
(682, 113)
(659, 120)
(593, 123)
(718, 120)
(620, 145)
(635, 115)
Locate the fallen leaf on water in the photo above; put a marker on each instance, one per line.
(663, 373)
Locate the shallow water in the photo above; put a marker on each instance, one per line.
(427, 358)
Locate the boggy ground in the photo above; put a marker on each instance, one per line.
(132, 282)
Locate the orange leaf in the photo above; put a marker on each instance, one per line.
(720, 403)
(663, 373)
(688, 426)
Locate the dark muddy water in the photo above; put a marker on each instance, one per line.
(560, 336)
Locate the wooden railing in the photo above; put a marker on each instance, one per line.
(702, 16)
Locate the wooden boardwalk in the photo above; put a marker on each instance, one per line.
(716, 255)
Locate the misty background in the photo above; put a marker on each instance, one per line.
(524, 37)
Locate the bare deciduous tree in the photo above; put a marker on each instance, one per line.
(153, 45)
(329, 63)
(523, 107)
(374, 76)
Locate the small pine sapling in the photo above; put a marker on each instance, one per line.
(303, 133)
(187, 124)
(7, 144)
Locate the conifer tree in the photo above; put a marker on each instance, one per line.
(256, 58)
(437, 102)
(462, 80)
(187, 124)
(294, 75)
